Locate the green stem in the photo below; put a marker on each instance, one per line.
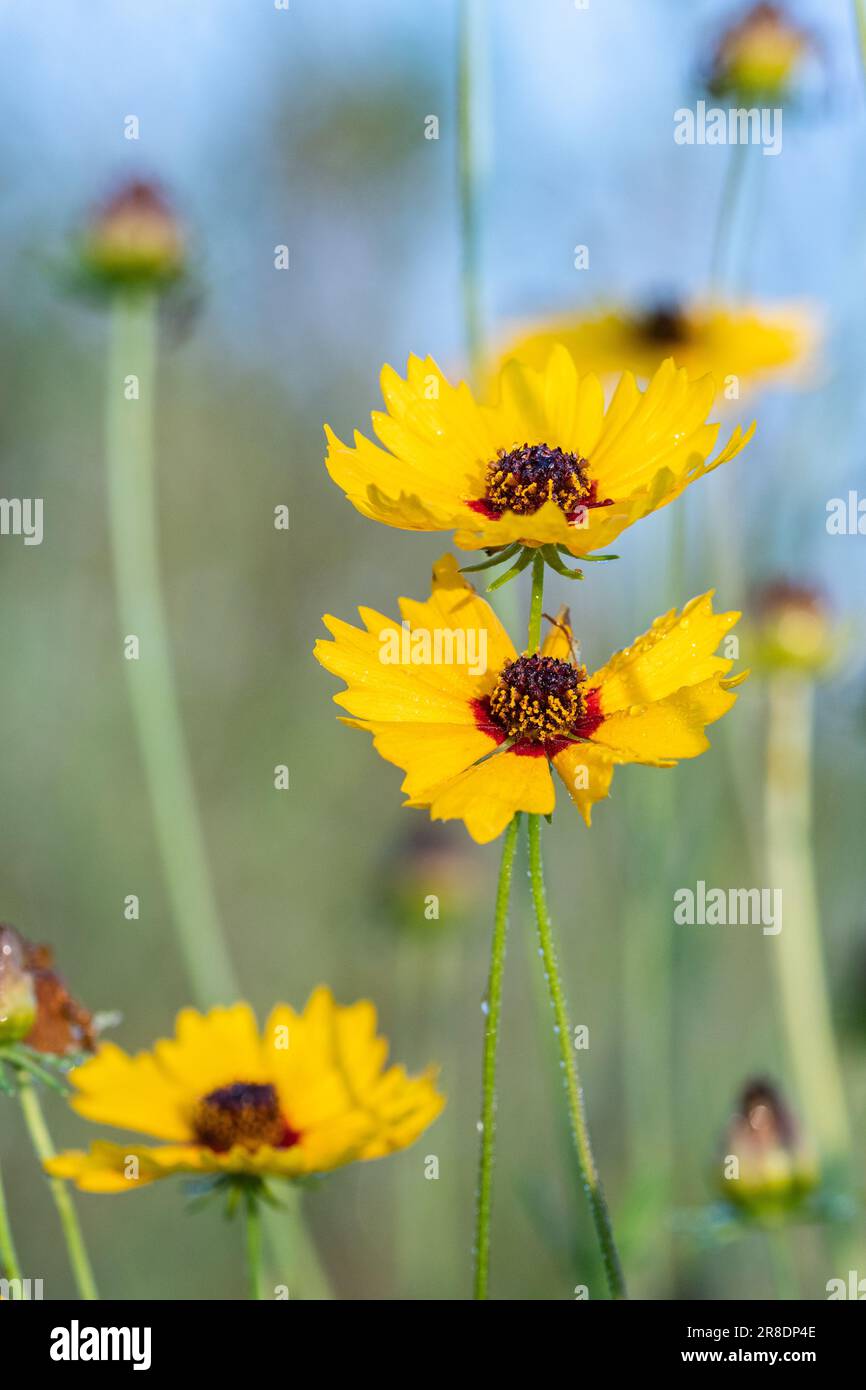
(573, 1089)
(782, 1264)
(491, 1044)
(470, 51)
(801, 978)
(253, 1233)
(156, 714)
(155, 708)
(536, 603)
(41, 1140)
(8, 1254)
(731, 192)
(860, 15)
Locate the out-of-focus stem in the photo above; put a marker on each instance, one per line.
(8, 1255)
(470, 91)
(860, 15)
(253, 1235)
(732, 188)
(493, 1019)
(783, 1264)
(41, 1140)
(129, 423)
(141, 609)
(798, 961)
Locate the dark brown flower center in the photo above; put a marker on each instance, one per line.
(538, 698)
(521, 480)
(664, 324)
(246, 1113)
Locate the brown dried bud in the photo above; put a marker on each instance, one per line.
(62, 1025)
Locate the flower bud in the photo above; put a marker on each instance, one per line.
(17, 993)
(758, 57)
(792, 629)
(767, 1166)
(135, 240)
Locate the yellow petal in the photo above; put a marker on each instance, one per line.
(669, 728)
(753, 342)
(429, 754)
(123, 1167)
(429, 669)
(679, 649)
(487, 796)
(586, 771)
(131, 1093)
(213, 1049)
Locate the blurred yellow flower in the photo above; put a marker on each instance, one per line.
(309, 1094)
(755, 343)
(475, 726)
(548, 464)
(759, 55)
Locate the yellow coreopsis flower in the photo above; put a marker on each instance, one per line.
(310, 1094)
(755, 343)
(476, 726)
(547, 465)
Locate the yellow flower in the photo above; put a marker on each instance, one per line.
(546, 465)
(754, 343)
(310, 1094)
(475, 727)
(759, 56)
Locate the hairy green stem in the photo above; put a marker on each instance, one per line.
(44, 1149)
(536, 603)
(493, 1019)
(568, 1063)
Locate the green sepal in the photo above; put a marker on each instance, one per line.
(497, 558)
(518, 568)
(586, 559)
(552, 559)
